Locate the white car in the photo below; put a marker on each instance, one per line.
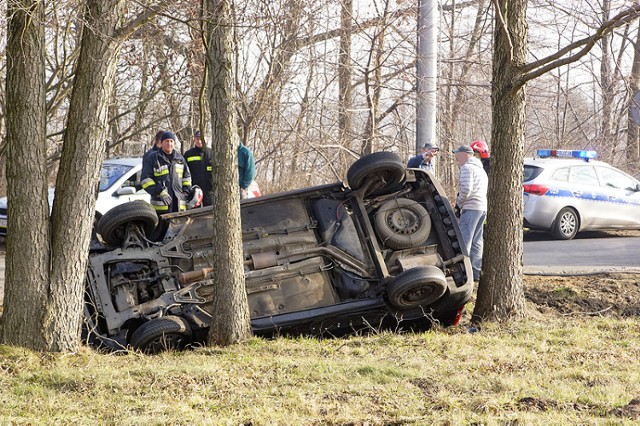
(119, 183)
(568, 191)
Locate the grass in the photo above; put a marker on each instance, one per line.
(551, 370)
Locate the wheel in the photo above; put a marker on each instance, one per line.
(402, 223)
(566, 224)
(420, 286)
(113, 225)
(162, 334)
(386, 167)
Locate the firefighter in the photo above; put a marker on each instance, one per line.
(166, 177)
(199, 162)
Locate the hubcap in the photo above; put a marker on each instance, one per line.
(567, 223)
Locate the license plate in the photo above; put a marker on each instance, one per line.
(3, 223)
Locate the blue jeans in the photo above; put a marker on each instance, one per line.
(471, 227)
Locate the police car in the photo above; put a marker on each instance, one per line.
(568, 191)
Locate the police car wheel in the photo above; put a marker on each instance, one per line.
(385, 169)
(566, 224)
(420, 286)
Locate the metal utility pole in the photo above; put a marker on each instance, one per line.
(427, 72)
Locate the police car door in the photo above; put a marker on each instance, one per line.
(588, 196)
(624, 197)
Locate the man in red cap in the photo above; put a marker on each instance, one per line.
(481, 150)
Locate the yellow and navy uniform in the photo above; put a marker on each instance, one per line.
(199, 162)
(167, 179)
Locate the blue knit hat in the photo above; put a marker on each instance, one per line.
(169, 135)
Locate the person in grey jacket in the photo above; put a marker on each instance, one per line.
(472, 202)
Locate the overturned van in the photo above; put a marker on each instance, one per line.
(383, 252)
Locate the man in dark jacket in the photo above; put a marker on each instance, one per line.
(157, 144)
(166, 177)
(426, 160)
(199, 162)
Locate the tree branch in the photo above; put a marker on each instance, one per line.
(544, 65)
(151, 11)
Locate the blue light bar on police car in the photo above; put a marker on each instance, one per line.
(567, 153)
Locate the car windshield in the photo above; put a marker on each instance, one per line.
(110, 173)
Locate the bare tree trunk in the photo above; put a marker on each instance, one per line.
(500, 294)
(49, 268)
(76, 185)
(27, 267)
(230, 322)
(606, 83)
(373, 86)
(345, 95)
(633, 136)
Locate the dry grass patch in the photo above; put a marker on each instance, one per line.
(571, 372)
(558, 367)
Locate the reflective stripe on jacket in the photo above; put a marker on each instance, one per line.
(199, 162)
(165, 176)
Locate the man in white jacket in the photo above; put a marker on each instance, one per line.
(472, 202)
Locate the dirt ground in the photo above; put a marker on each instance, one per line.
(602, 294)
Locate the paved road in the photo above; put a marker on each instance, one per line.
(591, 252)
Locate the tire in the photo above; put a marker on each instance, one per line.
(402, 223)
(113, 225)
(386, 165)
(419, 286)
(162, 334)
(566, 225)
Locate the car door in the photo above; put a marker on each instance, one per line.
(623, 193)
(588, 195)
(133, 181)
(122, 184)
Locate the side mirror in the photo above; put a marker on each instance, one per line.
(127, 190)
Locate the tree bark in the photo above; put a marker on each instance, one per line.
(345, 95)
(230, 322)
(500, 294)
(80, 164)
(27, 260)
(606, 82)
(633, 136)
(373, 84)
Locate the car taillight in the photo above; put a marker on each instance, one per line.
(456, 319)
(536, 189)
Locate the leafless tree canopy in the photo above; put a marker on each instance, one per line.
(320, 83)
